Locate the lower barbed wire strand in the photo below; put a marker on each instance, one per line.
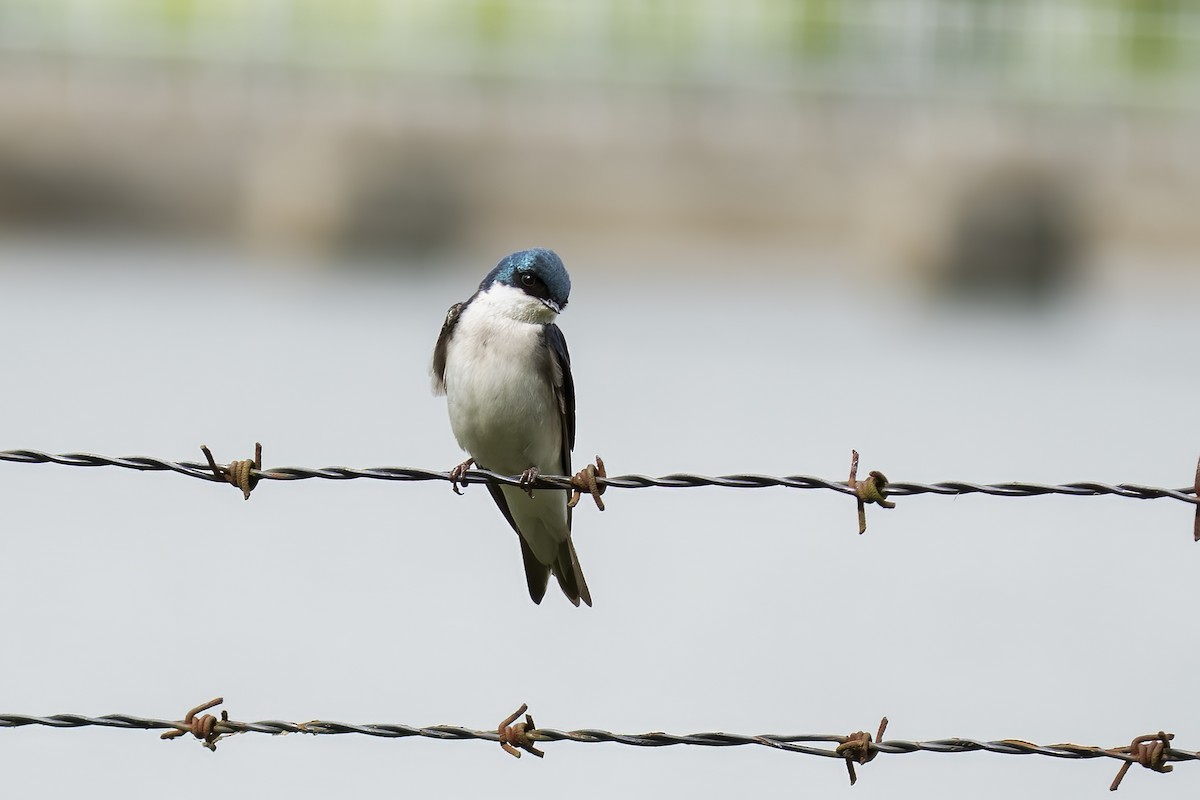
(679, 480)
(794, 743)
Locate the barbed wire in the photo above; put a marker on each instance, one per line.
(678, 480)
(1152, 751)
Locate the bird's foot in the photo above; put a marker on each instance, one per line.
(585, 481)
(456, 475)
(527, 478)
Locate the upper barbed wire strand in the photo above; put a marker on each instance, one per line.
(194, 469)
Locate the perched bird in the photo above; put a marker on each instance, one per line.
(504, 368)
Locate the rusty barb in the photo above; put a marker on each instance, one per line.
(513, 736)
(239, 473)
(1196, 524)
(585, 481)
(203, 728)
(859, 747)
(1150, 751)
(872, 490)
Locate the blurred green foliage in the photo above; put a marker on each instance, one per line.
(816, 28)
(492, 20)
(1085, 46)
(1151, 41)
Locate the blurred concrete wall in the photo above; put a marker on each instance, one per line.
(890, 137)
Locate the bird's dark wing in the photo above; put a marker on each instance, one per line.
(439, 350)
(566, 567)
(537, 574)
(564, 389)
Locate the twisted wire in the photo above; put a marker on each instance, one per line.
(803, 744)
(679, 480)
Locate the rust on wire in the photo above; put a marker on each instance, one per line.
(242, 474)
(1150, 751)
(859, 748)
(1196, 524)
(204, 728)
(872, 490)
(585, 481)
(515, 734)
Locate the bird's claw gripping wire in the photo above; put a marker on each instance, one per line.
(513, 736)
(239, 473)
(871, 490)
(456, 475)
(585, 481)
(859, 747)
(528, 478)
(203, 728)
(1150, 751)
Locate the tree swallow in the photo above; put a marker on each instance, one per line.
(504, 368)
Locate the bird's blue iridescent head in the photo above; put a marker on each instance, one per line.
(538, 272)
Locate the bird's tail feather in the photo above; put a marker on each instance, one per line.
(537, 574)
(569, 574)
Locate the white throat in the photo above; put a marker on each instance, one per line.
(508, 301)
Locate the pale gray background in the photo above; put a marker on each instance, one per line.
(223, 222)
(1047, 619)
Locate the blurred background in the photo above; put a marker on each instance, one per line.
(957, 235)
(967, 142)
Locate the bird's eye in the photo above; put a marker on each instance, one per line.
(533, 285)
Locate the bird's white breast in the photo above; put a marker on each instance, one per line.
(502, 407)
